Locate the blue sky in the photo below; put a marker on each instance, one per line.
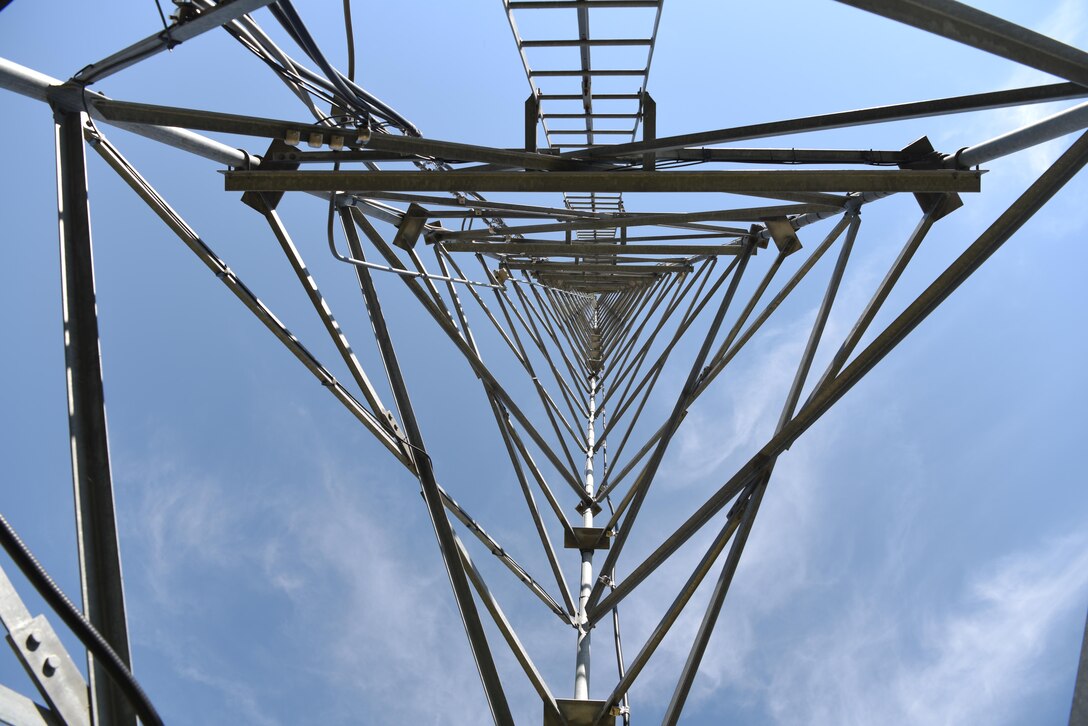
(920, 556)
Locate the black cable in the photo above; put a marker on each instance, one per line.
(351, 40)
(288, 17)
(78, 624)
(285, 13)
(162, 16)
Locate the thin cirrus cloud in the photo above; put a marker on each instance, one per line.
(975, 662)
(353, 610)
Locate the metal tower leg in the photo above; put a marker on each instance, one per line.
(96, 526)
(1079, 714)
(470, 616)
(582, 660)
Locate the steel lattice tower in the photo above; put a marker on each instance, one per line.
(588, 300)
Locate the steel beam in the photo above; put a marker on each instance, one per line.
(645, 479)
(485, 664)
(1047, 129)
(1052, 180)
(1003, 228)
(168, 39)
(45, 660)
(710, 617)
(621, 221)
(332, 327)
(843, 119)
(593, 269)
(31, 83)
(589, 249)
(222, 271)
(16, 708)
(965, 24)
(881, 294)
(940, 180)
(409, 146)
(96, 521)
(1078, 715)
(506, 629)
(454, 335)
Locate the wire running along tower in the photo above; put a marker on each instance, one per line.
(589, 300)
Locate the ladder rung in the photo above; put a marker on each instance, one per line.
(589, 115)
(560, 4)
(585, 42)
(588, 72)
(595, 96)
(613, 132)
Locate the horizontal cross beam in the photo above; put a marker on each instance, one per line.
(575, 249)
(611, 221)
(590, 267)
(941, 180)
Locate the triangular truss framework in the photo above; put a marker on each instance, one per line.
(590, 300)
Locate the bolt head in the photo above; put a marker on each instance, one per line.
(33, 640)
(50, 666)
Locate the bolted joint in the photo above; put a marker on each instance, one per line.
(588, 504)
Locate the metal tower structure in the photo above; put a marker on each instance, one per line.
(587, 302)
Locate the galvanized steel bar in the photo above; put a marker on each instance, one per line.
(1078, 714)
(96, 519)
(507, 630)
(31, 638)
(750, 214)
(642, 484)
(336, 333)
(877, 301)
(1072, 161)
(227, 276)
(496, 698)
(168, 39)
(835, 180)
(668, 619)
(590, 249)
(968, 25)
(1040, 132)
(455, 336)
(710, 618)
(31, 83)
(844, 119)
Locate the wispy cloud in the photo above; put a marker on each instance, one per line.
(342, 580)
(392, 635)
(976, 661)
(1067, 22)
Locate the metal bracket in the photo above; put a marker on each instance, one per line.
(942, 203)
(15, 708)
(582, 506)
(44, 657)
(578, 712)
(53, 670)
(783, 234)
(649, 130)
(532, 115)
(410, 227)
(586, 538)
(265, 202)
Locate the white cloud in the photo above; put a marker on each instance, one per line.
(1068, 23)
(977, 660)
(344, 578)
(391, 634)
